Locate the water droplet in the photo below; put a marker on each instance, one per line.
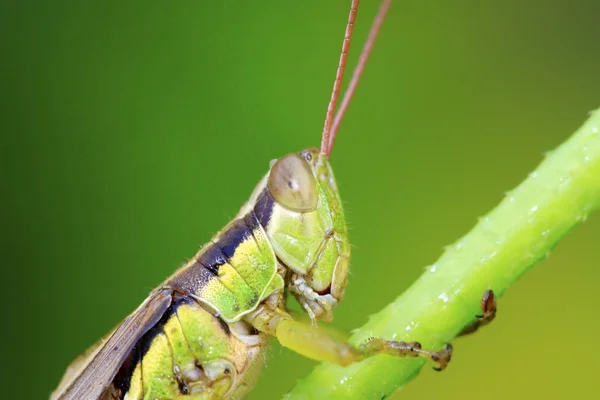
(533, 209)
(487, 257)
(443, 297)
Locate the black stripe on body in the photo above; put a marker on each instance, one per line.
(212, 258)
(236, 233)
(122, 380)
(252, 222)
(194, 277)
(218, 253)
(263, 208)
(146, 342)
(206, 267)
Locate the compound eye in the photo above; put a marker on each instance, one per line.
(293, 184)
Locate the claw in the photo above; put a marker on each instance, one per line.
(488, 306)
(443, 357)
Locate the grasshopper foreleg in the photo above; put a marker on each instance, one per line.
(320, 345)
(488, 313)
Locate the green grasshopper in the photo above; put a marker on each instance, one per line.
(203, 333)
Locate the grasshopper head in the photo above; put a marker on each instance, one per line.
(307, 229)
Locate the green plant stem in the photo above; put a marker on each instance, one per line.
(504, 244)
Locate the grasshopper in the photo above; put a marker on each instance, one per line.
(202, 334)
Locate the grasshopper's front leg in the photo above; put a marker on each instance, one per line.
(320, 345)
(488, 313)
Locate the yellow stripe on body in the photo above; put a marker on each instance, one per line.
(255, 261)
(157, 370)
(247, 275)
(183, 357)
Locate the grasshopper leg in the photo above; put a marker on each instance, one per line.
(320, 345)
(488, 313)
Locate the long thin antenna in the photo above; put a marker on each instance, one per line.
(358, 70)
(337, 84)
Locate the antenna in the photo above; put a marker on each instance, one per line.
(331, 127)
(337, 84)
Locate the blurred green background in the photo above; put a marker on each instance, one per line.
(133, 131)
